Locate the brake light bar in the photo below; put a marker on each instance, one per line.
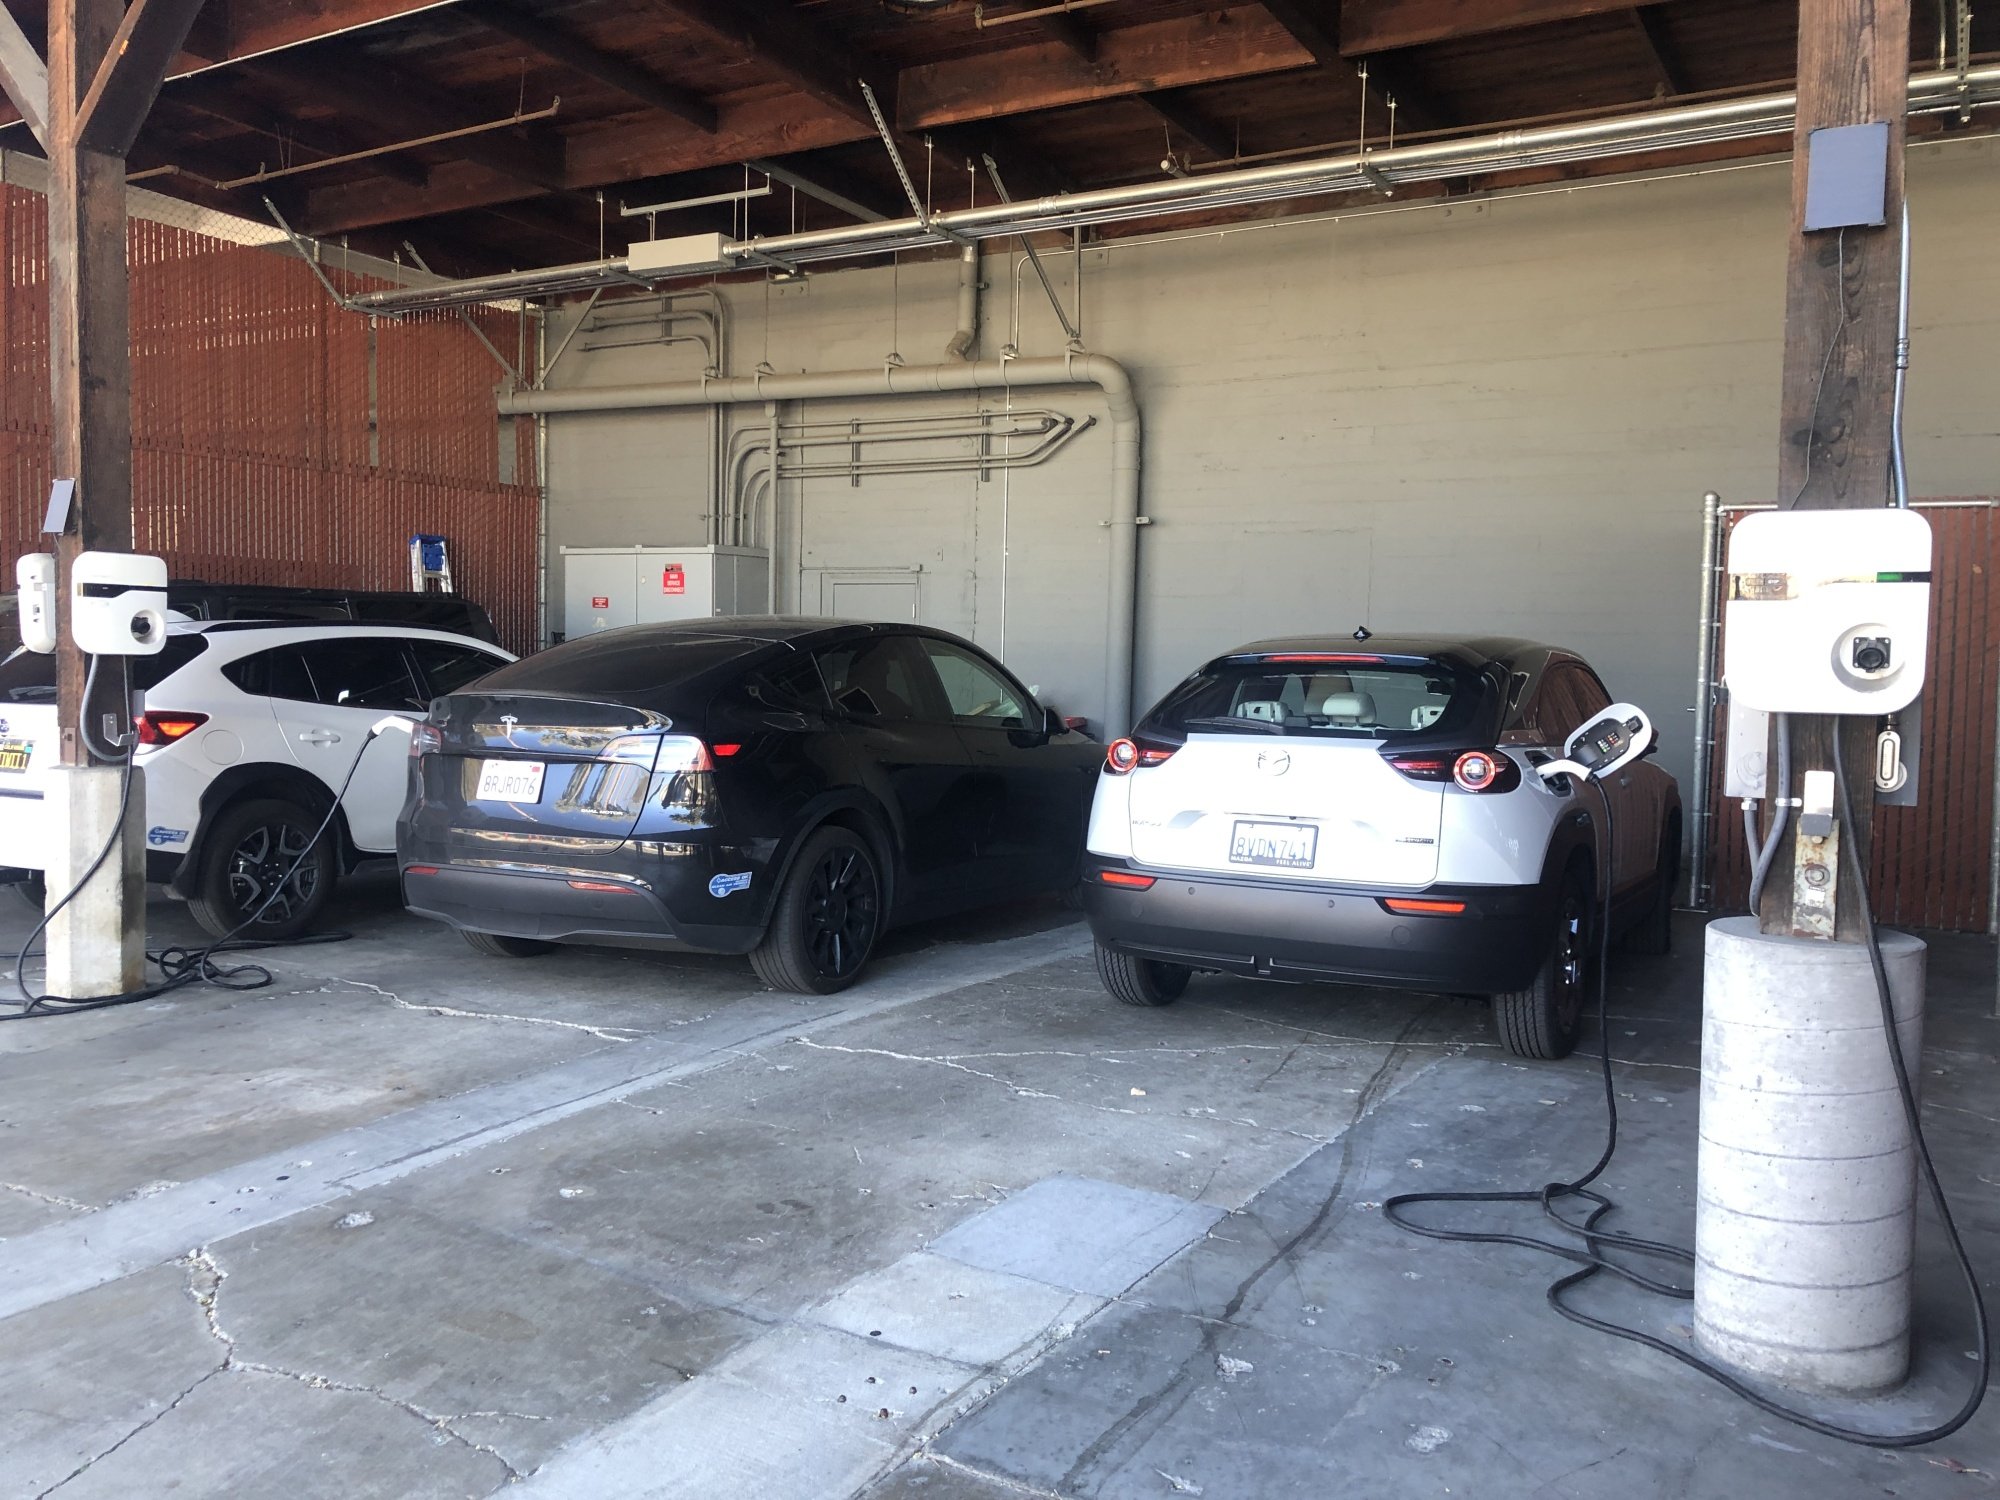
(162, 727)
(1417, 906)
(1127, 878)
(1359, 656)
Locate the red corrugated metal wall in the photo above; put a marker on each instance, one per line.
(258, 455)
(1932, 862)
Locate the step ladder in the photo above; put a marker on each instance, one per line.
(430, 562)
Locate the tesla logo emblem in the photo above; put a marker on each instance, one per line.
(508, 721)
(1274, 762)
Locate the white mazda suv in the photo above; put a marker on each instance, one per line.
(1369, 812)
(248, 732)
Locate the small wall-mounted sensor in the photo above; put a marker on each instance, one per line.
(35, 591)
(118, 603)
(1847, 176)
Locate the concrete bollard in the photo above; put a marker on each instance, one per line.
(1806, 1183)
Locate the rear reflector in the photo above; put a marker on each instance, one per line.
(1126, 878)
(420, 869)
(725, 750)
(1410, 906)
(599, 885)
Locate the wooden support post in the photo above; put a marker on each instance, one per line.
(1839, 372)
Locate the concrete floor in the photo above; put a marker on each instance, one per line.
(417, 1223)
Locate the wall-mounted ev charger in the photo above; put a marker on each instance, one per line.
(118, 603)
(35, 592)
(1828, 611)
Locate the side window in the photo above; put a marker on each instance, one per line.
(446, 668)
(360, 672)
(277, 673)
(887, 677)
(976, 693)
(789, 684)
(1590, 694)
(1563, 700)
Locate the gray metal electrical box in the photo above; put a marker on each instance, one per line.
(605, 587)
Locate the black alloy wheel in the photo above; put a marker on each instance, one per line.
(1542, 1021)
(260, 861)
(826, 920)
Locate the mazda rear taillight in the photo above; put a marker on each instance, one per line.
(1469, 770)
(160, 727)
(1131, 754)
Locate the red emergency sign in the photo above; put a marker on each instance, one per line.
(673, 579)
(600, 601)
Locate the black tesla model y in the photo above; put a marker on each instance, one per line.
(786, 788)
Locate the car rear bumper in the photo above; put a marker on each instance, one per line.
(1292, 930)
(557, 904)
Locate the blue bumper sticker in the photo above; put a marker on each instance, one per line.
(160, 836)
(728, 885)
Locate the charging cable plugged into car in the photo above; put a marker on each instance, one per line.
(1612, 741)
(179, 965)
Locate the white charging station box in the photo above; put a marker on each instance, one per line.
(1828, 611)
(35, 598)
(118, 603)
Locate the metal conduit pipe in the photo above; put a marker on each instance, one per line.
(1105, 373)
(1599, 139)
(966, 338)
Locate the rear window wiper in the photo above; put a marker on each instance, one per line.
(1231, 721)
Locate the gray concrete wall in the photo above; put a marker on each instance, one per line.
(1495, 415)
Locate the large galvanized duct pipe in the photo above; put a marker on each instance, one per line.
(915, 380)
(1599, 139)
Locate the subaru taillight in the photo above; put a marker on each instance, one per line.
(161, 727)
(1132, 753)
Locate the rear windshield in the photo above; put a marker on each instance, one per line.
(30, 677)
(613, 664)
(1344, 700)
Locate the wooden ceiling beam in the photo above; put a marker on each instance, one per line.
(807, 54)
(1240, 42)
(24, 76)
(127, 82)
(573, 52)
(1384, 25)
(1173, 109)
(365, 87)
(1659, 50)
(1417, 108)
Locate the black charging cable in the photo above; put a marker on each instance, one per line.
(180, 965)
(1591, 1257)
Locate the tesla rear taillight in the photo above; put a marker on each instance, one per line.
(1125, 755)
(1126, 879)
(1415, 906)
(163, 728)
(683, 752)
(425, 739)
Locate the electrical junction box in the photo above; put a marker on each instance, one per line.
(605, 587)
(687, 252)
(1827, 611)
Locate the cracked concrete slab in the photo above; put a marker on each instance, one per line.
(1075, 1232)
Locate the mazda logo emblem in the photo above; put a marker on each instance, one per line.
(1274, 762)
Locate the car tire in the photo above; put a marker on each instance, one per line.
(499, 945)
(826, 919)
(1141, 981)
(1654, 932)
(249, 848)
(1542, 1021)
(33, 891)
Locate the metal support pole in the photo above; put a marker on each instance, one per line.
(1704, 697)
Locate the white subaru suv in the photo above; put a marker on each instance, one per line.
(1370, 813)
(249, 730)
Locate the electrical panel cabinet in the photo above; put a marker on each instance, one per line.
(605, 587)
